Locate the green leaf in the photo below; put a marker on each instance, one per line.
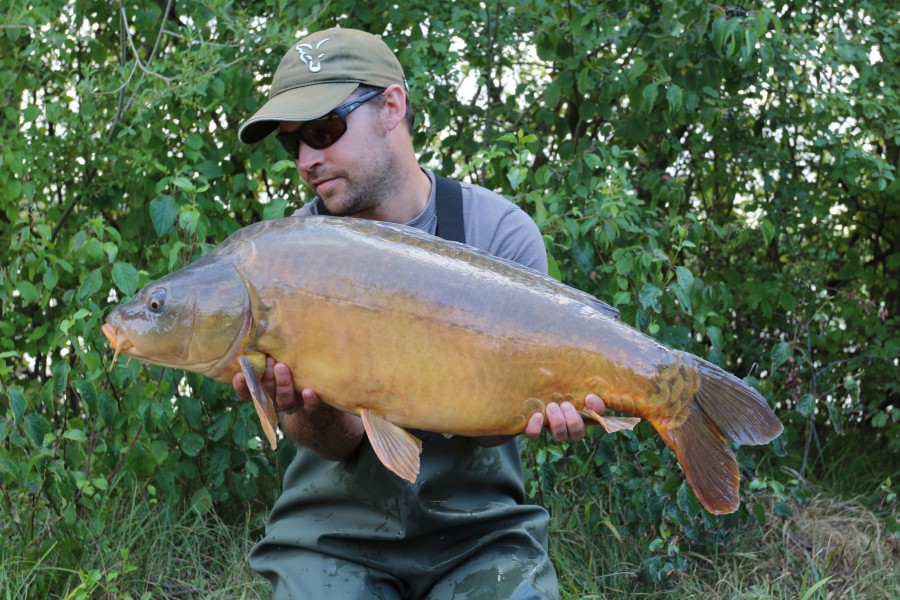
(715, 336)
(781, 352)
(30, 113)
(783, 509)
(75, 435)
(183, 183)
(552, 93)
(834, 415)
(27, 291)
(188, 219)
(194, 141)
(192, 411)
(210, 169)
(684, 299)
(637, 69)
(760, 512)
(61, 371)
(649, 297)
(163, 212)
(90, 285)
(516, 176)
(275, 209)
(201, 501)
(651, 91)
(806, 405)
(51, 277)
(192, 443)
(125, 277)
(685, 279)
(625, 264)
(767, 230)
(674, 98)
(36, 427)
(221, 426)
(17, 402)
(88, 393)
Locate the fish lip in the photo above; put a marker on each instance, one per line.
(118, 341)
(112, 334)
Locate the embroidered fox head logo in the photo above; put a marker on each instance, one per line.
(310, 55)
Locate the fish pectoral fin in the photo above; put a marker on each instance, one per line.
(611, 424)
(396, 448)
(263, 404)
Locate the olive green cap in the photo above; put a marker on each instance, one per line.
(318, 73)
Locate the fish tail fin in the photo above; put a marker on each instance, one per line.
(722, 409)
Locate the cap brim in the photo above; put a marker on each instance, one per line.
(297, 104)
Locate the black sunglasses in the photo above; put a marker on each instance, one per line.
(324, 131)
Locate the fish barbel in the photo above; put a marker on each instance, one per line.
(410, 331)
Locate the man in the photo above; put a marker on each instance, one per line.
(346, 527)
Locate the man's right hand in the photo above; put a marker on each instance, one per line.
(305, 419)
(278, 383)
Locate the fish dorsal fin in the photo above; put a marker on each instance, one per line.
(263, 404)
(396, 448)
(602, 306)
(611, 424)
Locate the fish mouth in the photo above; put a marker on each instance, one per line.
(118, 341)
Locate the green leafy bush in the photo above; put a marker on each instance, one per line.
(725, 177)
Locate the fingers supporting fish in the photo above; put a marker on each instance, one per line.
(564, 421)
(286, 398)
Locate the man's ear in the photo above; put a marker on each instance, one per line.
(394, 106)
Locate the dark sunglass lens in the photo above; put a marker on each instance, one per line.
(323, 132)
(291, 143)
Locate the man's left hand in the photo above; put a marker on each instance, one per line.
(563, 420)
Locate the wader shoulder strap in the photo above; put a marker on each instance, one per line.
(449, 208)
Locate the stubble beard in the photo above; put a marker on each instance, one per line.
(368, 188)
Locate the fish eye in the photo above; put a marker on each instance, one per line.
(157, 300)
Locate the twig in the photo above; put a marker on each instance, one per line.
(137, 57)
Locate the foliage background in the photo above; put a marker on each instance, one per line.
(725, 176)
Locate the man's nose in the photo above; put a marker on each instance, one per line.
(308, 158)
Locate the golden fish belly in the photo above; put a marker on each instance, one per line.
(399, 358)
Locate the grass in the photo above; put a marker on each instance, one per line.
(826, 549)
(831, 543)
(147, 550)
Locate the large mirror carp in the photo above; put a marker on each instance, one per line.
(410, 331)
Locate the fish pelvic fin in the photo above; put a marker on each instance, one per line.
(722, 409)
(610, 424)
(265, 407)
(396, 448)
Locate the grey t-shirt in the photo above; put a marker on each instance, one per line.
(492, 223)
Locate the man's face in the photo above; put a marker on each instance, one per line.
(356, 173)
